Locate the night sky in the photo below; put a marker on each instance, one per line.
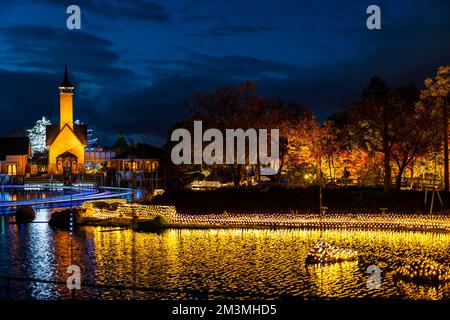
(133, 63)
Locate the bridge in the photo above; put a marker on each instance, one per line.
(77, 195)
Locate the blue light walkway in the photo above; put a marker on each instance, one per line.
(77, 195)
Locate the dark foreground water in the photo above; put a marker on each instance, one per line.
(199, 264)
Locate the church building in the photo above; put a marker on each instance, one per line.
(66, 141)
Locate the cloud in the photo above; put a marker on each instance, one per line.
(236, 67)
(40, 48)
(229, 18)
(319, 58)
(154, 109)
(232, 30)
(25, 97)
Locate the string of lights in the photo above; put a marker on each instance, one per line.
(425, 271)
(324, 252)
(359, 221)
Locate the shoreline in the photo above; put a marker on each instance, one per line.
(129, 223)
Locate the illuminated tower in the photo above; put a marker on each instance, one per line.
(66, 141)
(66, 102)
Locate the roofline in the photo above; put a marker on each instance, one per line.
(66, 125)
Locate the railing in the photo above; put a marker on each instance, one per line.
(80, 179)
(406, 183)
(82, 194)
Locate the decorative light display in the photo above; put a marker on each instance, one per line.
(330, 221)
(38, 187)
(127, 210)
(425, 271)
(37, 135)
(324, 252)
(92, 140)
(85, 185)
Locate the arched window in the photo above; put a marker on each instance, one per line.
(12, 169)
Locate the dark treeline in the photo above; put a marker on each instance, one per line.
(293, 200)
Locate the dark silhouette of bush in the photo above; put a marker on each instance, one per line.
(113, 206)
(25, 214)
(61, 219)
(106, 206)
(158, 223)
(288, 200)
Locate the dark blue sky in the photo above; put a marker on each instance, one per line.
(134, 62)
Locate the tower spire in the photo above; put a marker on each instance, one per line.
(66, 82)
(66, 101)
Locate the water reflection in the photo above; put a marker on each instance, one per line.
(219, 263)
(40, 255)
(414, 291)
(21, 194)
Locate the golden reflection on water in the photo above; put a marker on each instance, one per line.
(420, 292)
(266, 263)
(324, 278)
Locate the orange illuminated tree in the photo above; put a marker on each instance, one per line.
(435, 99)
(311, 144)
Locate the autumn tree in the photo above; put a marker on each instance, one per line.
(285, 117)
(435, 99)
(412, 135)
(237, 107)
(312, 144)
(372, 123)
(224, 108)
(332, 145)
(304, 143)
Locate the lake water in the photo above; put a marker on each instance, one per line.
(199, 264)
(21, 194)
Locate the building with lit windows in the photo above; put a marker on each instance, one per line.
(138, 158)
(14, 154)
